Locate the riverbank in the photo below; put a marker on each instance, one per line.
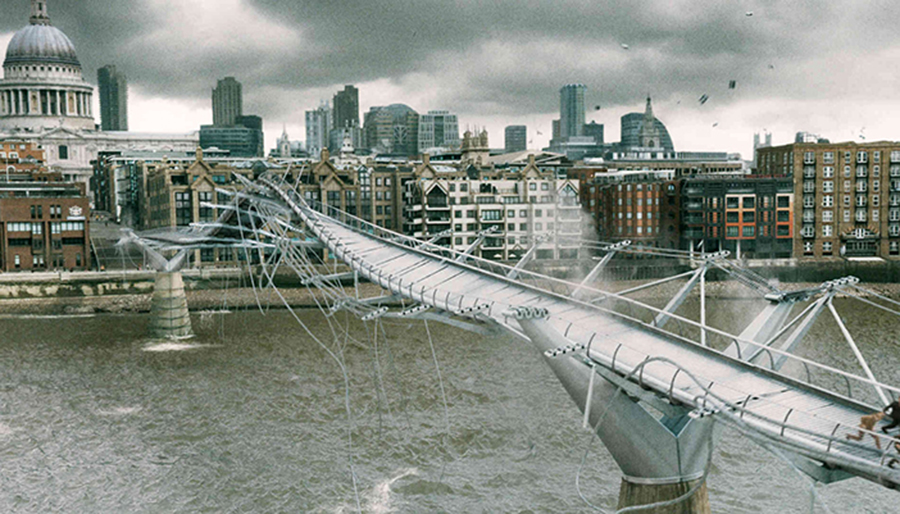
(135, 297)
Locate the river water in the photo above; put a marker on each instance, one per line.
(249, 416)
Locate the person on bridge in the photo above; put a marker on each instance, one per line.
(892, 411)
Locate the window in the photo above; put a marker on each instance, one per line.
(523, 214)
(828, 172)
(731, 232)
(827, 230)
(808, 231)
(846, 216)
(545, 186)
(809, 201)
(523, 227)
(828, 186)
(749, 217)
(749, 231)
(784, 202)
(183, 209)
(827, 201)
(732, 203)
(828, 157)
(206, 211)
(827, 247)
(538, 226)
(532, 186)
(510, 214)
(847, 171)
(492, 215)
(63, 152)
(749, 202)
(827, 216)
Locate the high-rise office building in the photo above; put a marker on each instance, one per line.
(113, 98)
(516, 138)
(228, 102)
(318, 129)
(346, 108)
(438, 129)
(243, 139)
(392, 130)
(571, 110)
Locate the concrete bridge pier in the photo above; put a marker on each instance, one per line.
(169, 315)
(661, 451)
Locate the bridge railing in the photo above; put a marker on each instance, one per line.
(791, 426)
(812, 374)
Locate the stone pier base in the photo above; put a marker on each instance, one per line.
(169, 316)
(633, 494)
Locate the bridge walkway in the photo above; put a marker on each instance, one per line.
(797, 414)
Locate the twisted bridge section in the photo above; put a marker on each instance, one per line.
(650, 382)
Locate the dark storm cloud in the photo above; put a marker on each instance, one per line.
(491, 57)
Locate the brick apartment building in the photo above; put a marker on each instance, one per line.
(848, 197)
(45, 226)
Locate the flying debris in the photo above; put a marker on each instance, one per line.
(624, 46)
(716, 124)
(596, 107)
(748, 14)
(540, 133)
(771, 66)
(703, 99)
(732, 84)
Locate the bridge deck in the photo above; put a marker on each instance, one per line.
(808, 420)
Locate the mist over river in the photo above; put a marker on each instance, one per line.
(249, 416)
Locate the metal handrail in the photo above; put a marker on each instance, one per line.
(431, 249)
(784, 425)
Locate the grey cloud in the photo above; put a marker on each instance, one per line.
(678, 49)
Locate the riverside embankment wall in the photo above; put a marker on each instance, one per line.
(213, 289)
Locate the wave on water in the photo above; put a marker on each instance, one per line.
(379, 498)
(119, 411)
(175, 346)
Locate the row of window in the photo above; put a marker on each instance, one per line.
(538, 213)
(809, 231)
(861, 156)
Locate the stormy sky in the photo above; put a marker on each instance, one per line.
(823, 66)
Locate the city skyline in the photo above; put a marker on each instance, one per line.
(291, 57)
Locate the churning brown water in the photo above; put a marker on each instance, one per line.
(249, 417)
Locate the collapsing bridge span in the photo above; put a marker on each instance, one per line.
(650, 382)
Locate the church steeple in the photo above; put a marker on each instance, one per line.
(650, 137)
(39, 14)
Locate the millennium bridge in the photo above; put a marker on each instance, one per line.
(652, 384)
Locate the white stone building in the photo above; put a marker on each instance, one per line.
(45, 99)
(526, 206)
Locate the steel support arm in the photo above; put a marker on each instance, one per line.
(474, 246)
(857, 353)
(679, 298)
(760, 330)
(612, 251)
(799, 333)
